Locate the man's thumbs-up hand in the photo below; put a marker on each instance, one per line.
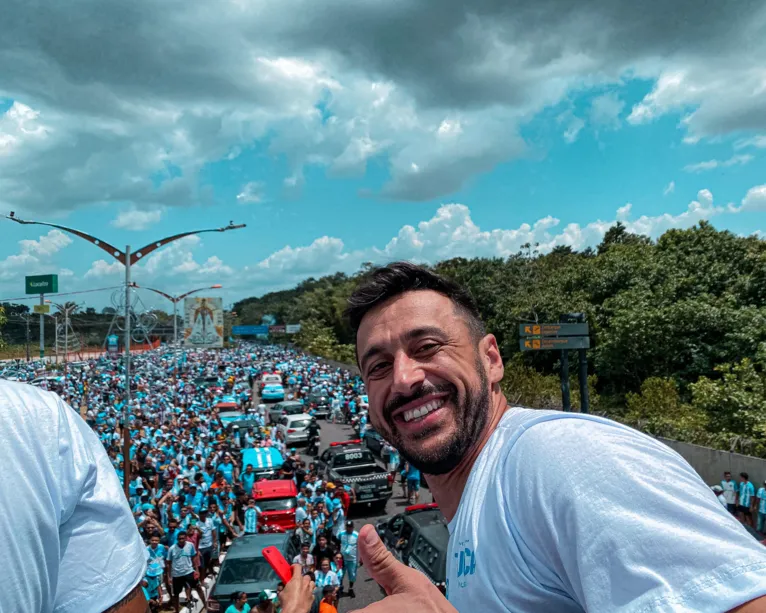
(407, 589)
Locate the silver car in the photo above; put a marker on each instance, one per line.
(294, 428)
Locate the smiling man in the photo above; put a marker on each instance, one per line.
(547, 511)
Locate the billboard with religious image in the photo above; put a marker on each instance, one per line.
(203, 322)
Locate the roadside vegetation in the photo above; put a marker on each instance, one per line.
(678, 327)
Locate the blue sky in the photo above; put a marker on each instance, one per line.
(392, 136)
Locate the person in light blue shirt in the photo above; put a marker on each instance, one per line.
(761, 495)
(300, 511)
(155, 567)
(227, 468)
(349, 540)
(251, 517)
(248, 479)
(746, 494)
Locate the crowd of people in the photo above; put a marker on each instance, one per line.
(189, 495)
(743, 501)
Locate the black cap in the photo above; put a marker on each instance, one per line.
(349, 524)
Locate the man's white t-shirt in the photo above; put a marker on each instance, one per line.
(569, 513)
(69, 540)
(730, 489)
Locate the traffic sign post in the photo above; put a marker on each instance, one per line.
(571, 333)
(545, 343)
(42, 284)
(562, 329)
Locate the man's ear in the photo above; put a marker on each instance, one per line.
(491, 358)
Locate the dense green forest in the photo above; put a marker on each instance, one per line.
(678, 327)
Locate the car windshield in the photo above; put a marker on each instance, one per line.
(353, 457)
(277, 504)
(246, 570)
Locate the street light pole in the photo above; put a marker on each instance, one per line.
(127, 258)
(42, 327)
(126, 398)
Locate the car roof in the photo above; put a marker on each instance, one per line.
(345, 448)
(251, 546)
(289, 403)
(297, 417)
(275, 488)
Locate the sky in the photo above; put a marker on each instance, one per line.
(352, 131)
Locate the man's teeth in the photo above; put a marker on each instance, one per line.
(423, 410)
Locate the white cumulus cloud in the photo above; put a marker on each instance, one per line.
(735, 160)
(135, 219)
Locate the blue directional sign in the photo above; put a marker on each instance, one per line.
(249, 330)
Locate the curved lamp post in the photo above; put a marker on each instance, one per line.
(127, 259)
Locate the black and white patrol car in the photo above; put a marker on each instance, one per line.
(419, 538)
(349, 463)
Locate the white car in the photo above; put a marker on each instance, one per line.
(270, 379)
(294, 428)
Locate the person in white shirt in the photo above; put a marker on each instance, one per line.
(730, 489)
(71, 543)
(547, 511)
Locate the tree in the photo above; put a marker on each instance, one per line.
(659, 410)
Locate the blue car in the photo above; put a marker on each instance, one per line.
(273, 392)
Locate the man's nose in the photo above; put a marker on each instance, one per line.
(407, 374)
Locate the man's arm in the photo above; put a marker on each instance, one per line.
(133, 602)
(754, 606)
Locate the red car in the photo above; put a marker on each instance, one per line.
(277, 501)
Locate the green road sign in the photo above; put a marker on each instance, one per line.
(42, 284)
(553, 330)
(543, 343)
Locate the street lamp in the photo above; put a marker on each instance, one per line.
(175, 300)
(127, 259)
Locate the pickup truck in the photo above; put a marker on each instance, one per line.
(349, 463)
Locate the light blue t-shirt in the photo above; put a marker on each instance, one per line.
(761, 499)
(570, 513)
(746, 493)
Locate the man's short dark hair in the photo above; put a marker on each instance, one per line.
(328, 589)
(745, 476)
(398, 278)
(180, 534)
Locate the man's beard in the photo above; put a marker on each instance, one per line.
(470, 418)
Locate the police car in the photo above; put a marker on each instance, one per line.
(348, 463)
(419, 538)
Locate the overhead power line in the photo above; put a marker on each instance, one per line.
(85, 291)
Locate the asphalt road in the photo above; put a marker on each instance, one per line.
(367, 591)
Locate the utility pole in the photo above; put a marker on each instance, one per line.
(26, 319)
(582, 372)
(42, 327)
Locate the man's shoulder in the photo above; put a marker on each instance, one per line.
(522, 427)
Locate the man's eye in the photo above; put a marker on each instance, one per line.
(427, 347)
(377, 367)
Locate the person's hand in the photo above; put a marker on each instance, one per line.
(406, 588)
(298, 595)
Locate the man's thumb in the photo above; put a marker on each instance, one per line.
(382, 566)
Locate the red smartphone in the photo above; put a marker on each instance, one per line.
(277, 561)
